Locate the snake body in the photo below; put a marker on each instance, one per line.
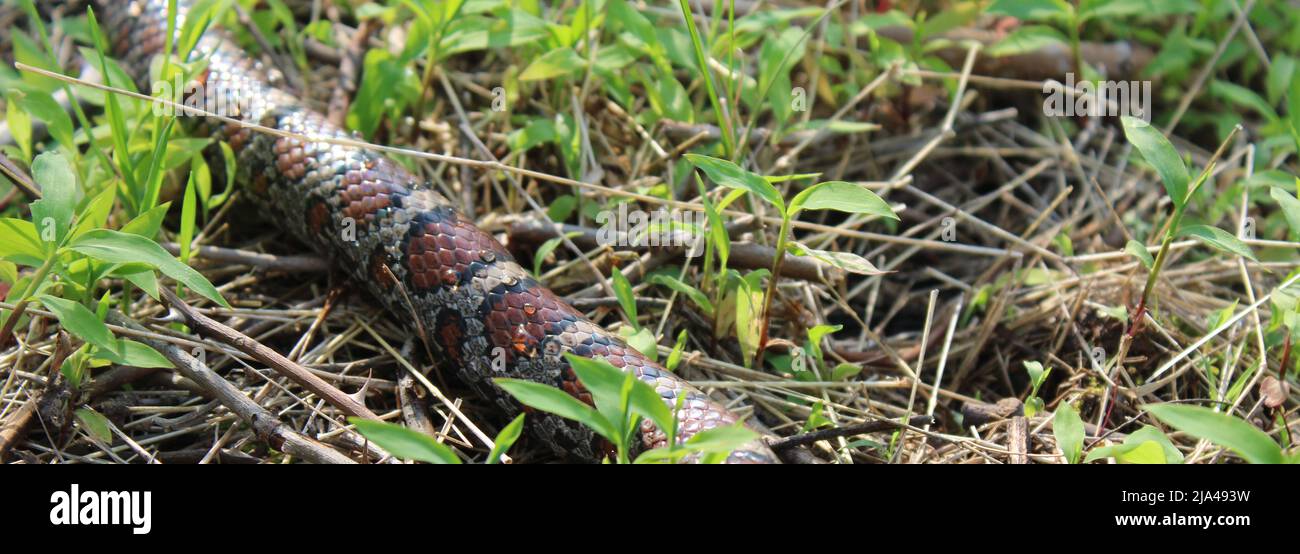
(410, 247)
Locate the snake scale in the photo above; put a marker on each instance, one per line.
(411, 248)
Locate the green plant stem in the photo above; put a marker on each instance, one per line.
(21, 306)
(1074, 46)
(426, 81)
(731, 52)
(1159, 262)
(771, 289)
(724, 123)
(1174, 223)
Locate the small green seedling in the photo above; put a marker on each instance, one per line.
(1158, 152)
(830, 195)
(1037, 376)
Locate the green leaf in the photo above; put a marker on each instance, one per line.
(1233, 433)
(148, 223)
(134, 354)
(816, 417)
(837, 126)
(1028, 39)
(1160, 153)
(1139, 251)
(562, 207)
(1068, 429)
(642, 339)
(1218, 239)
(843, 197)
(96, 212)
(116, 247)
(645, 402)
(9, 274)
(607, 383)
(53, 212)
(96, 424)
(20, 242)
(555, 401)
(1145, 452)
(1290, 208)
(719, 442)
(506, 438)
(1036, 374)
(72, 368)
(603, 381)
(556, 63)
(1118, 451)
(42, 106)
(1137, 449)
(748, 306)
(153, 178)
(640, 32)
(20, 126)
(846, 261)
(717, 230)
(1091, 9)
(675, 357)
(188, 215)
(112, 105)
(776, 54)
(1063, 243)
(626, 298)
(80, 321)
(1032, 10)
(537, 132)
(1243, 97)
(404, 443)
(730, 175)
(1293, 103)
(815, 336)
(1033, 405)
(546, 248)
(845, 370)
(197, 19)
(699, 298)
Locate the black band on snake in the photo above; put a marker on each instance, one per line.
(470, 296)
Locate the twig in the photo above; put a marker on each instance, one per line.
(19, 178)
(848, 430)
(282, 365)
(296, 264)
(1017, 439)
(264, 423)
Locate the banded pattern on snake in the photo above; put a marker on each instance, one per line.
(412, 250)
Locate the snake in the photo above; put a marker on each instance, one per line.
(408, 246)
